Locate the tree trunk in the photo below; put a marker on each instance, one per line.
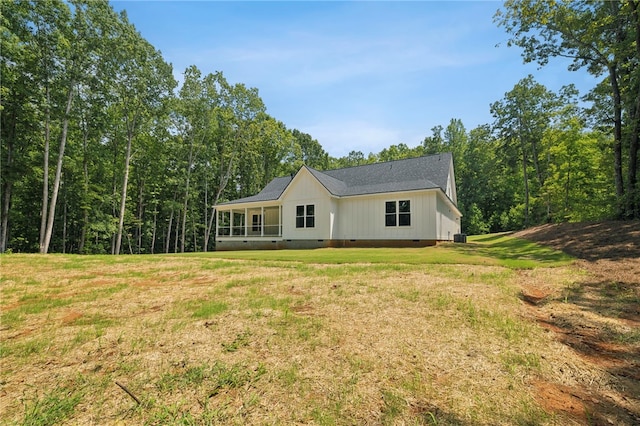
(206, 209)
(140, 215)
(526, 186)
(175, 239)
(114, 187)
(195, 235)
(123, 199)
(56, 184)
(45, 173)
(7, 185)
(567, 186)
(167, 240)
(153, 230)
(224, 179)
(64, 222)
(186, 198)
(633, 192)
(85, 187)
(617, 140)
(4, 224)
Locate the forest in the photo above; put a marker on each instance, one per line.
(103, 152)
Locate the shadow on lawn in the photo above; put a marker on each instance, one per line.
(514, 252)
(612, 349)
(612, 240)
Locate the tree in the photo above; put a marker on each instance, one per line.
(397, 152)
(18, 114)
(235, 114)
(143, 82)
(604, 37)
(521, 119)
(311, 152)
(433, 144)
(577, 184)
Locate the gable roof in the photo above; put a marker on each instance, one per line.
(429, 172)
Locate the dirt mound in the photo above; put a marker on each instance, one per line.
(612, 240)
(609, 250)
(597, 317)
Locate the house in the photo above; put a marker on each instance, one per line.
(409, 202)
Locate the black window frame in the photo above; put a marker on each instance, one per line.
(397, 213)
(305, 216)
(390, 214)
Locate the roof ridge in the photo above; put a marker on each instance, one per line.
(386, 161)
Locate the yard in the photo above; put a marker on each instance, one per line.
(456, 334)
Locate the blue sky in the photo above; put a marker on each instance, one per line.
(357, 76)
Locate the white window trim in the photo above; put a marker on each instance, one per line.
(397, 213)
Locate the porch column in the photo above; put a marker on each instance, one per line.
(217, 222)
(280, 220)
(262, 221)
(246, 216)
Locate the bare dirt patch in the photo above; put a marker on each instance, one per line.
(597, 317)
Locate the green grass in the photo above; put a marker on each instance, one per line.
(515, 253)
(241, 340)
(54, 407)
(207, 308)
(495, 249)
(327, 336)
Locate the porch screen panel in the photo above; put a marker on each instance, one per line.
(238, 224)
(272, 221)
(224, 224)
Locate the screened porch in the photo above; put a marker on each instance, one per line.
(249, 222)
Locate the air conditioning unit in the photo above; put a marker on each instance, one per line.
(459, 238)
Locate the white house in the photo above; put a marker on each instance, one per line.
(408, 202)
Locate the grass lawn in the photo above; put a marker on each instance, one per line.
(428, 336)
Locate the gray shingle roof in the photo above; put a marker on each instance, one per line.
(271, 192)
(427, 172)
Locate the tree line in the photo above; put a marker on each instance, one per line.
(102, 152)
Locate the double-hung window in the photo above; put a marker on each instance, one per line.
(305, 216)
(397, 213)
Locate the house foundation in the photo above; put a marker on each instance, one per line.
(227, 245)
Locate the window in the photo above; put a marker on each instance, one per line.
(404, 214)
(310, 219)
(397, 213)
(390, 215)
(305, 216)
(299, 216)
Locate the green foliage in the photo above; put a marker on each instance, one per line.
(141, 164)
(476, 223)
(604, 38)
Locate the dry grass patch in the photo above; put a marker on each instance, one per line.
(200, 340)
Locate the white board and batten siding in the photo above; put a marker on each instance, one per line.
(306, 190)
(363, 217)
(447, 220)
(340, 216)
